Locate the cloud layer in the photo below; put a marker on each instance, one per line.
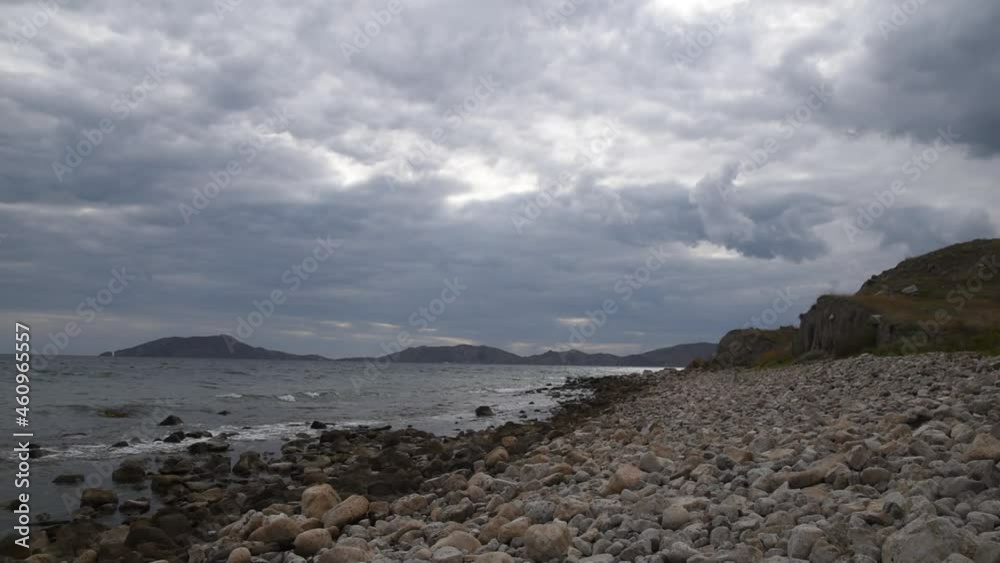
(545, 155)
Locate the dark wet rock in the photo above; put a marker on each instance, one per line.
(248, 464)
(171, 420)
(122, 444)
(484, 411)
(163, 484)
(134, 506)
(175, 437)
(317, 425)
(198, 434)
(223, 413)
(176, 466)
(132, 470)
(98, 497)
(68, 479)
(208, 446)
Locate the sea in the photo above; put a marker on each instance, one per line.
(82, 406)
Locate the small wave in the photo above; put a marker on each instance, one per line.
(312, 394)
(229, 396)
(512, 389)
(287, 398)
(356, 423)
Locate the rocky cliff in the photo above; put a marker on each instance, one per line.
(751, 346)
(948, 299)
(838, 326)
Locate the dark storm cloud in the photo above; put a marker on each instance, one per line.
(409, 108)
(925, 66)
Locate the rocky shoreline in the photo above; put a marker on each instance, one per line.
(867, 459)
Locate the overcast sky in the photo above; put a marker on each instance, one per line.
(546, 159)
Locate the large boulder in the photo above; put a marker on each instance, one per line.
(351, 510)
(802, 540)
(318, 500)
(344, 554)
(408, 505)
(248, 464)
(240, 555)
(132, 470)
(927, 540)
(984, 446)
(626, 477)
(310, 542)
(464, 541)
(543, 542)
(281, 530)
(98, 497)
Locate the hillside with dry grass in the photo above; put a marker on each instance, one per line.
(946, 300)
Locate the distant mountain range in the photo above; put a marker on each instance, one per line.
(674, 356)
(223, 346)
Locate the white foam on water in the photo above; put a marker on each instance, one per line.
(229, 396)
(356, 423)
(312, 394)
(239, 434)
(287, 398)
(513, 389)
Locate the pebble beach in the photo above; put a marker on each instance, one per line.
(866, 459)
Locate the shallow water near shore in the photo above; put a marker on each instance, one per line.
(81, 406)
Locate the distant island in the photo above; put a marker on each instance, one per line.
(223, 347)
(220, 346)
